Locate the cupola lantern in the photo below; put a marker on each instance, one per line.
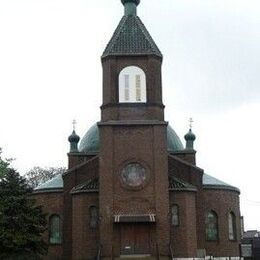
(130, 6)
(74, 139)
(190, 137)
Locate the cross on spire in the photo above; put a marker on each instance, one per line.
(190, 122)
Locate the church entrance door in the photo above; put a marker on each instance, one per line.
(135, 238)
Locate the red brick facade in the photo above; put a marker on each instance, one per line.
(186, 239)
(137, 219)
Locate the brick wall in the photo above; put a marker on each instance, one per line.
(85, 240)
(184, 236)
(52, 203)
(222, 202)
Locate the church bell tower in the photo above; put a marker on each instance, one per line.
(133, 162)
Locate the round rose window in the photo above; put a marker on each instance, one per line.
(133, 175)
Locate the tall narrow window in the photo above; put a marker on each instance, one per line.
(93, 212)
(55, 229)
(138, 87)
(231, 226)
(175, 215)
(211, 223)
(127, 94)
(132, 85)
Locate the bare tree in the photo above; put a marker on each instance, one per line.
(38, 175)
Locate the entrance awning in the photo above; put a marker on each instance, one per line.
(134, 218)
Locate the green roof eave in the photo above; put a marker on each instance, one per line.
(212, 183)
(221, 187)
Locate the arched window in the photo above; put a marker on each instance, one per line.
(175, 215)
(211, 223)
(231, 226)
(93, 214)
(55, 229)
(132, 85)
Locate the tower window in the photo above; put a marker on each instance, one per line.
(132, 85)
(211, 222)
(55, 228)
(138, 87)
(231, 226)
(126, 87)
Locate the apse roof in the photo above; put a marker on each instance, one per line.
(54, 183)
(212, 182)
(90, 141)
(131, 38)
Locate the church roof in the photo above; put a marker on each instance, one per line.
(131, 38)
(92, 185)
(53, 184)
(90, 142)
(211, 182)
(176, 184)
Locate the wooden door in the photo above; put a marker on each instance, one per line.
(135, 238)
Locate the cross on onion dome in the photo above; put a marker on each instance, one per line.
(74, 122)
(190, 122)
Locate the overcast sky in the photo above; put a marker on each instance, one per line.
(50, 73)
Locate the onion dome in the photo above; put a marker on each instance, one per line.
(90, 143)
(73, 139)
(190, 138)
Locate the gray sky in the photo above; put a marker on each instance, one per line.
(50, 73)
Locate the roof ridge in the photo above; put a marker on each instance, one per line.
(185, 162)
(148, 36)
(115, 35)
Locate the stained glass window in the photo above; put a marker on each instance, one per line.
(133, 175)
(55, 229)
(211, 222)
(231, 226)
(175, 215)
(93, 212)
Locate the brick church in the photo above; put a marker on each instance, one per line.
(132, 189)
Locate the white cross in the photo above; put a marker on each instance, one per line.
(74, 122)
(191, 121)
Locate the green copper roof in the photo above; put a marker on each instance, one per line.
(208, 182)
(173, 141)
(54, 183)
(174, 183)
(90, 142)
(131, 38)
(211, 182)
